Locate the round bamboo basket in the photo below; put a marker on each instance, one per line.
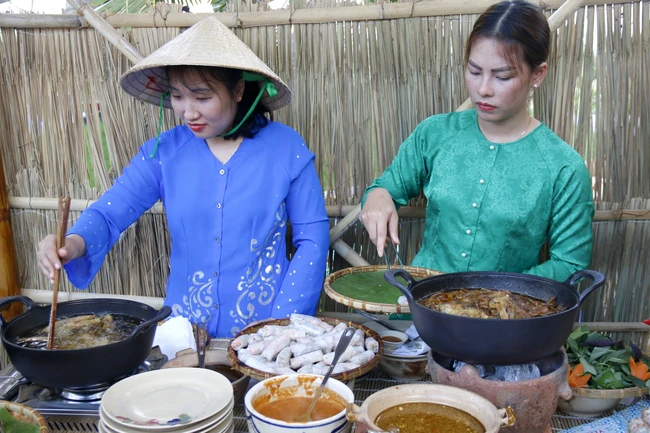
(25, 414)
(343, 377)
(610, 393)
(373, 307)
(634, 391)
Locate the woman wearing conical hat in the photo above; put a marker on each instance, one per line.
(230, 180)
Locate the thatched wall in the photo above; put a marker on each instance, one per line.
(359, 88)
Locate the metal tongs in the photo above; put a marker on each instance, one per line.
(201, 343)
(399, 259)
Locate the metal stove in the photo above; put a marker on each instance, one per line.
(66, 402)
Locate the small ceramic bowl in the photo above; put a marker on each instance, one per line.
(590, 403)
(586, 407)
(392, 340)
(407, 368)
(279, 387)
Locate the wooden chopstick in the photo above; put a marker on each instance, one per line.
(61, 228)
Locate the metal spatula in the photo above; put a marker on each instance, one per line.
(340, 348)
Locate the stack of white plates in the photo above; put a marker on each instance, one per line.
(172, 400)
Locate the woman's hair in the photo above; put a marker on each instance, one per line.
(520, 27)
(230, 77)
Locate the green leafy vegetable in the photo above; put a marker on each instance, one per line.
(606, 360)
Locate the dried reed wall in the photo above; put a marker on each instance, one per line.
(359, 88)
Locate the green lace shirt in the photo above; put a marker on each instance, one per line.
(490, 206)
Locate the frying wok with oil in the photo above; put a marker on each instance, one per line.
(81, 367)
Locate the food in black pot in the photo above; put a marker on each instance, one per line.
(82, 332)
(483, 303)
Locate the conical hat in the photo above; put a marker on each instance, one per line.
(207, 43)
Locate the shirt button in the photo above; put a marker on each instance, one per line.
(474, 205)
(222, 172)
(469, 232)
(491, 147)
(218, 205)
(217, 239)
(214, 274)
(481, 181)
(463, 255)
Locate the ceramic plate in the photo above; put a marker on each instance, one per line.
(208, 423)
(166, 399)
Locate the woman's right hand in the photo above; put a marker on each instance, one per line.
(379, 216)
(49, 258)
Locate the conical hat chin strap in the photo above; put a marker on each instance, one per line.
(267, 85)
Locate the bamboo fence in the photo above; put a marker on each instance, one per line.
(360, 85)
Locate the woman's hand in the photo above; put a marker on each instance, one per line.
(49, 258)
(379, 216)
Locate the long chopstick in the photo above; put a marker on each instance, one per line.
(61, 228)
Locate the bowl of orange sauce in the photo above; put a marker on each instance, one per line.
(273, 404)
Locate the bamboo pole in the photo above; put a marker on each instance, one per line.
(614, 326)
(349, 254)
(107, 31)
(382, 11)
(8, 266)
(349, 219)
(342, 211)
(45, 297)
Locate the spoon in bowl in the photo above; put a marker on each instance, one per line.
(340, 348)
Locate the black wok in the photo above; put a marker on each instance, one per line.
(495, 341)
(81, 367)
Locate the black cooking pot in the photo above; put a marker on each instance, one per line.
(79, 368)
(495, 341)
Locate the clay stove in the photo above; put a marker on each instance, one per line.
(534, 401)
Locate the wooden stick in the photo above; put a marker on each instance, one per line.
(62, 227)
(106, 30)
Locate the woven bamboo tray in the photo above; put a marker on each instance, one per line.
(343, 377)
(27, 414)
(372, 307)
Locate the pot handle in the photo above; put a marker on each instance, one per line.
(6, 303)
(507, 416)
(597, 278)
(359, 415)
(391, 277)
(163, 313)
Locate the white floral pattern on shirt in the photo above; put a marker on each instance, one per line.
(258, 286)
(196, 304)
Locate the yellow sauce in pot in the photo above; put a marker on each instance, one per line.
(428, 418)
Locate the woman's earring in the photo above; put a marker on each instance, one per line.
(536, 85)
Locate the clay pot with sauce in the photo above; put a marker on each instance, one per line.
(484, 412)
(273, 404)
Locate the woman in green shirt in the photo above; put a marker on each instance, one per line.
(498, 182)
